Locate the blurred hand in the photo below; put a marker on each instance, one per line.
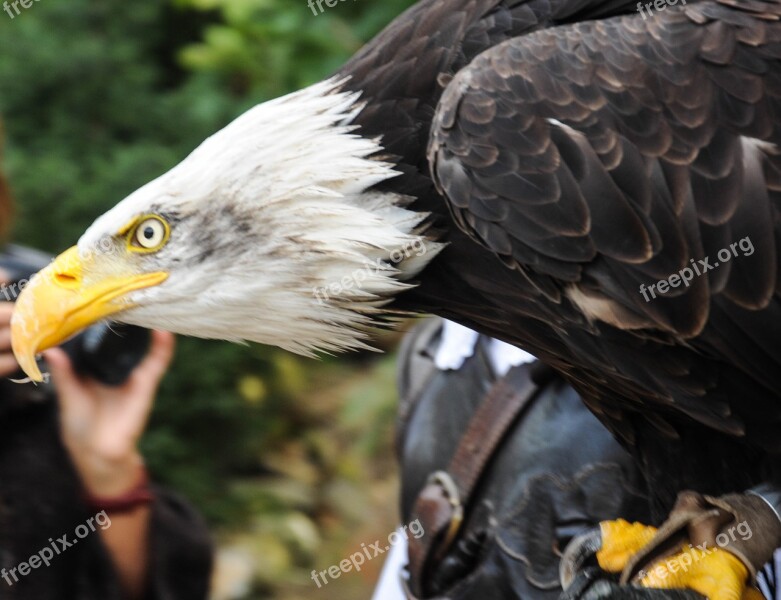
(8, 364)
(101, 425)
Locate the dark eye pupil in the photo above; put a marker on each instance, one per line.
(149, 233)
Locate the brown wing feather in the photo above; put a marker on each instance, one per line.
(605, 155)
(697, 417)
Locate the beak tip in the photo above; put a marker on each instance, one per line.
(35, 374)
(24, 349)
(28, 364)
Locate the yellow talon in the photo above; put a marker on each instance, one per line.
(620, 541)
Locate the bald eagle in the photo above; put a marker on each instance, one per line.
(574, 177)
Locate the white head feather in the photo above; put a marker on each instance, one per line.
(275, 234)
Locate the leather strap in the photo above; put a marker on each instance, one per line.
(441, 505)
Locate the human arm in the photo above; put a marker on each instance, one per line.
(100, 427)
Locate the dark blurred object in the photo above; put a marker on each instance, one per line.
(6, 202)
(106, 353)
(533, 479)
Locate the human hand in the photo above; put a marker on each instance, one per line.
(8, 364)
(101, 425)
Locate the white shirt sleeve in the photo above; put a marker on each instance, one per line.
(458, 343)
(389, 587)
(768, 578)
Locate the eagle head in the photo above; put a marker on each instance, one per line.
(270, 231)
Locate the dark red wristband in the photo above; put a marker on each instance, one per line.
(139, 495)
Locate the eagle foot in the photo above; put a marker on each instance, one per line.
(650, 568)
(610, 547)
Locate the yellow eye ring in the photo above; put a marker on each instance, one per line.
(148, 234)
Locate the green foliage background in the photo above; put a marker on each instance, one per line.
(289, 459)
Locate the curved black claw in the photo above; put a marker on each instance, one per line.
(590, 585)
(579, 554)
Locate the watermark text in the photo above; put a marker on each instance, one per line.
(56, 547)
(367, 553)
(686, 275)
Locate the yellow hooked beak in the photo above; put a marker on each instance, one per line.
(58, 303)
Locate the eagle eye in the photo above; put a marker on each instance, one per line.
(149, 234)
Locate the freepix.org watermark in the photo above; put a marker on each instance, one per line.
(656, 4)
(328, 3)
(9, 5)
(358, 276)
(56, 547)
(10, 292)
(682, 562)
(366, 553)
(686, 275)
